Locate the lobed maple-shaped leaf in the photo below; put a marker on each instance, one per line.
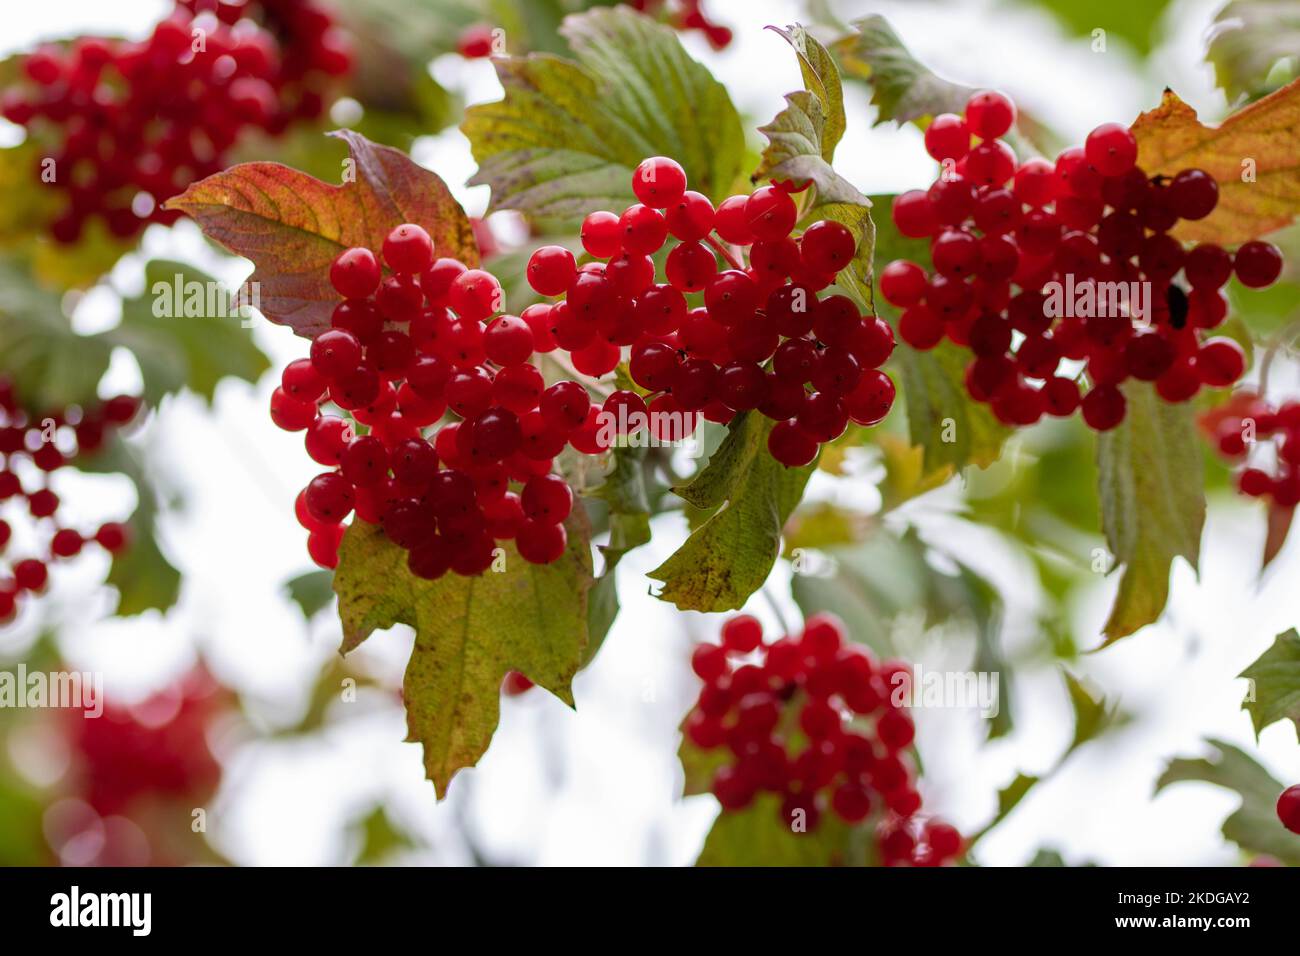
(1275, 683)
(1248, 39)
(469, 633)
(1253, 826)
(1149, 481)
(903, 88)
(801, 144)
(567, 134)
(757, 836)
(730, 555)
(1252, 155)
(292, 225)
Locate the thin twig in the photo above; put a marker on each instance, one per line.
(776, 610)
(1287, 332)
(596, 385)
(723, 251)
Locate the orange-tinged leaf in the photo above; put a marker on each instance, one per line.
(1171, 139)
(1279, 526)
(292, 225)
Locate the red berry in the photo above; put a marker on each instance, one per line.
(791, 445)
(30, 574)
(335, 354)
(1193, 194)
(914, 215)
(902, 283)
(407, 249)
(742, 634)
(989, 114)
(659, 182)
(1288, 808)
(691, 217)
(1258, 264)
(731, 222)
(551, 269)
(947, 137)
(547, 498)
(355, 273)
(1111, 148)
(1103, 407)
(770, 213)
(643, 229)
(289, 413)
(1207, 266)
(827, 246)
(66, 543)
(539, 542)
(112, 537)
(1220, 362)
(601, 234)
(508, 341)
(475, 295)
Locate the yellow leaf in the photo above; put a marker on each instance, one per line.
(1260, 139)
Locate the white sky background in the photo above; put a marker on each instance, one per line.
(600, 785)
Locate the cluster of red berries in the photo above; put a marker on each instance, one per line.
(690, 15)
(834, 704)
(154, 748)
(403, 349)
(1243, 427)
(133, 123)
(710, 359)
(1288, 808)
(32, 449)
(1033, 266)
(481, 40)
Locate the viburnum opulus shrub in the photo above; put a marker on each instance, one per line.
(417, 335)
(820, 723)
(129, 124)
(1061, 278)
(466, 407)
(33, 448)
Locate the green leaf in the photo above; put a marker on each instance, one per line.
(312, 591)
(1136, 23)
(813, 123)
(757, 836)
(1009, 797)
(193, 350)
(380, 838)
(952, 428)
(52, 365)
(1275, 683)
(801, 143)
(1149, 472)
(903, 89)
(1092, 714)
(699, 766)
(1254, 825)
(567, 135)
(145, 580)
(469, 633)
(730, 555)
(1249, 41)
